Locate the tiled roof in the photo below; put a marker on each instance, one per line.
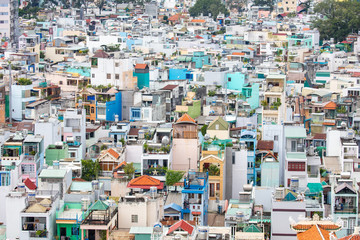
(328, 227)
(140, 66)
(113, 153)
(314, 233)
(320, 136)
(133, 132)
(101, 54)
(29, 184)
(185, 118)
(351, 237)
(183, 225)
(238, 53)
(145, 182)
(265, 145)
(119, 166)
(170, 87)
(198, 20)
(175, 17)
(198, 37)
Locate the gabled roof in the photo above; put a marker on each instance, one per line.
(140, 66)
(183, 225)
(185, 118)
(29, 184)
(223, 125)
(145, 182)
(198, 21)
(119, 166)
(330, 105)
(173, 206)
(252, 228)
(175, 17)
(314, 233)
(342, 186)
(133, 132)
(101, 54)
(320, 136)
(113, 153)
(36, 208)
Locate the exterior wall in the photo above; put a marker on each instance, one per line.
(285, 210)
(239, 172)
(13, 221)
(195, 110)
(119, 188)
(215, 179)
(220, 134)
(269, 174)
(20, 97)
(133, 153)
(56, 154)
(114, 108)
(4, 191)
(143, 80)
(183, 149)
(237, 81)
(51, 131)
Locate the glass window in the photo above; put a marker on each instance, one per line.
(134, 218)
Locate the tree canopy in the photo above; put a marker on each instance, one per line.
(90, 169)
(263, 3)
(173, 177)
(338, 18)
(208, 6)
(129, 170)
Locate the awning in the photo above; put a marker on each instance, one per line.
(315, 187)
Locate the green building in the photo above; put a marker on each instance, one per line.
(56, 152)
(142, 233)
(68, 220)
(143, 75)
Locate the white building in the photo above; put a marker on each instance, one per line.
(75, 129)
(20, 96)
(239, 171)
(50, 128)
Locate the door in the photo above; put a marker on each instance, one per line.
(91, 234)
(62, 232)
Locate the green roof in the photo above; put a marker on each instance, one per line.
(296, 155)
(99, 206)
(315, 187)
(52, 173)
(223, 125)
(290, 197)
(252, 228)
(295, 132)
(323, 74)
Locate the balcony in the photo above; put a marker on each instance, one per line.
(345, 210)
(38, 235)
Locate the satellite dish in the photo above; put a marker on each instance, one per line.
(165, 140)
(207, 136)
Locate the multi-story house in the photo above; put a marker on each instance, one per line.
(20, 96)
(248, 136)
(33, 159)
(148, 106)
(219, 128)
(75, 129)
(186, 146)
(157, 154)
(119, 130)
(195, 195)
(295, 155)
(273, 109)
(110, 159)
(344, 202)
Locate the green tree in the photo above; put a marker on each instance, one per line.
(173, 177)
(24, 81)
(129, 170)
(90, 169)
(338, 18)
(208, 6)
(100, 4)
(204, 129)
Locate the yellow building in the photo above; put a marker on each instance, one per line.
(214, 164)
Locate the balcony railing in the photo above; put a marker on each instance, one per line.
(345, 210)
(38, 235)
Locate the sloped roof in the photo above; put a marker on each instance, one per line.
(99, 206)
(315, 187)
(219, 120)
(173, 206)
(119, 166)
(101, 54)
(351, 237)
(29, 184)
(36, 208)
(170, 87)
(133, 132)
(113, 153)
(140, 66)
(185, 118)
(145, 182)
(314, 233)
(175, 17)
(183, 225)
(112, 91)
(343, 186)
(321, 136)
(197, 20)
(45, 202)
(252, 228)
(265, 145)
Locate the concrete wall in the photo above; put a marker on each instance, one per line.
(239, 173)
(183, 149)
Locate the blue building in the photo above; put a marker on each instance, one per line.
(180, 74)
(195, 197)
(143, 75)
(248, 137)
(200, 59)
(114, 108)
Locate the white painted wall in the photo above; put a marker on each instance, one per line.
(239, 172)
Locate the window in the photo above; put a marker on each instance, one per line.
(92, 110)
(134, 218)
(4, 21)
(345, 222)
(93, 75)
(233, 159)
(229, 79)
(4, 13)
(108, 76)
(217, 126)
(61, 82)
(212, 190)
(276, 138)
(117, 76)
(117, 64)
(293, 146)
(72, 155)
(296, 166)
(75, 231)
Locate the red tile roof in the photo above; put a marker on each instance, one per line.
(133, 132)
(170, 87)
(185, 118)
(199, 37)
(198, 20)
(140, 66)
(314, 233)
(113, 153)
(145, 182)
(29, 184)
(265, 145)
(351, 237)
(183, 225)
(320, 136)
(101, 54)
(119, 166)
(175, 17)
